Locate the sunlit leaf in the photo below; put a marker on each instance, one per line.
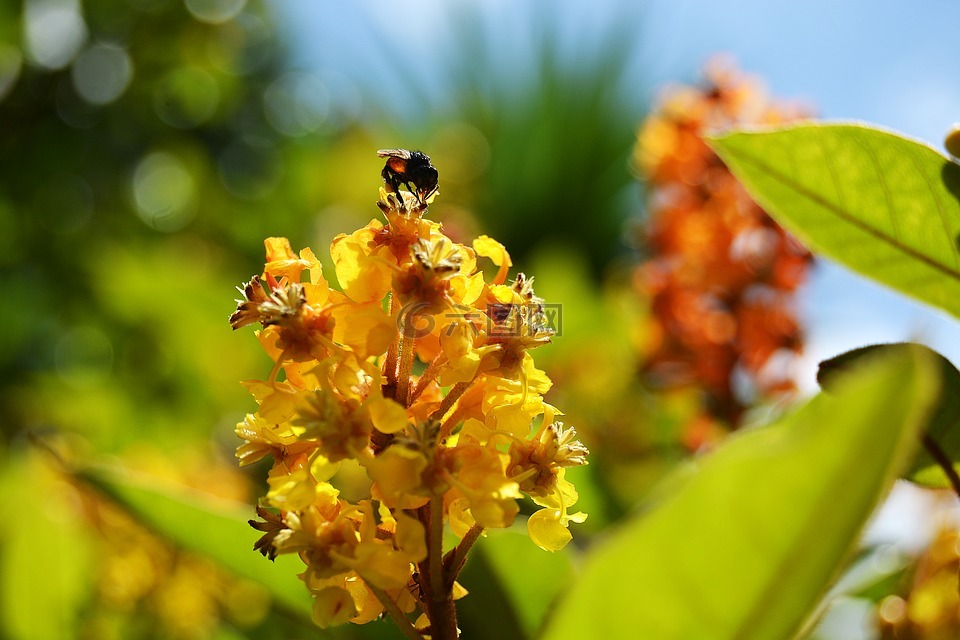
(45, 555)
(217, 529)
(754, 536)
(879, 203)
(208, 526)
(531, 577)
(943, 429)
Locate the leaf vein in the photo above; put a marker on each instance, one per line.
(887, 198)
(953, 273)
(941, 210)
(831, 170)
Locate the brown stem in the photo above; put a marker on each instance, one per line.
(455, 559)
(435, 545)
(433, 369)
(447, 427)
(390, 363)
(407, 349)
(395, 613)
(448, 401)
(443, 613)
(942, 460)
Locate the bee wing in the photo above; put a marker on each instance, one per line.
(394, 153)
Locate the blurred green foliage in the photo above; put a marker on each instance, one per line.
(123, 220)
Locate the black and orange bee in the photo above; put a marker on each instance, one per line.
(411, 169)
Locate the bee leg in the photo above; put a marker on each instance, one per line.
(413, 189)
(393, 186)
(403, 201)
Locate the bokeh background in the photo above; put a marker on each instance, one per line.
(148, 146)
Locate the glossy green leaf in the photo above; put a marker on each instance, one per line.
(753, 537)
(209, 526)
(879, 203)
(943, 429)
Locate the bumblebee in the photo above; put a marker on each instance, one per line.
(411, 169)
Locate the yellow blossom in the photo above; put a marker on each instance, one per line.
(362, 266)
(283, 263)
(481, 480)
(298, 488)
(548, 528)
(490, 248)
(535, 464)
(277, 400)
(456, 439)
(263, 438)
(333, 606)
(396, 473)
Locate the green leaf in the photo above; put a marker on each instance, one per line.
(943, 429)
(879, 203)
(206, 525)
(530, 576)
(754, 536)
(45, 553)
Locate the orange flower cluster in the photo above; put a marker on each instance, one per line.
(721, 275)
(459, 443)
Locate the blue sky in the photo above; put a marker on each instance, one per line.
(885, 61)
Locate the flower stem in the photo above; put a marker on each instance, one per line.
(395, 613)
(443, 613)
(446, 428)
(390, 363)
(455, 559)
(943, 460)
(448, 401)
(407, 351)
(435, 545)
(427, 376)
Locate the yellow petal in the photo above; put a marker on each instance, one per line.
(316, 272)
(546, 530)
(291, 491)
(282, 262)
(278, 400)
(332, 606)
(490, 248)
(278, 248)
(381, 566)
(396, 475)
(462, 359)
(368, 607)
(461, 520)
(362, 269)
(563, 496)
(475, 430)
(468, 259)
(465, 289)
(387, 416)
(322, 469)
(410, 538)
(363, 327)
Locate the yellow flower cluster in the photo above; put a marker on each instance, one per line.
(419, 370)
